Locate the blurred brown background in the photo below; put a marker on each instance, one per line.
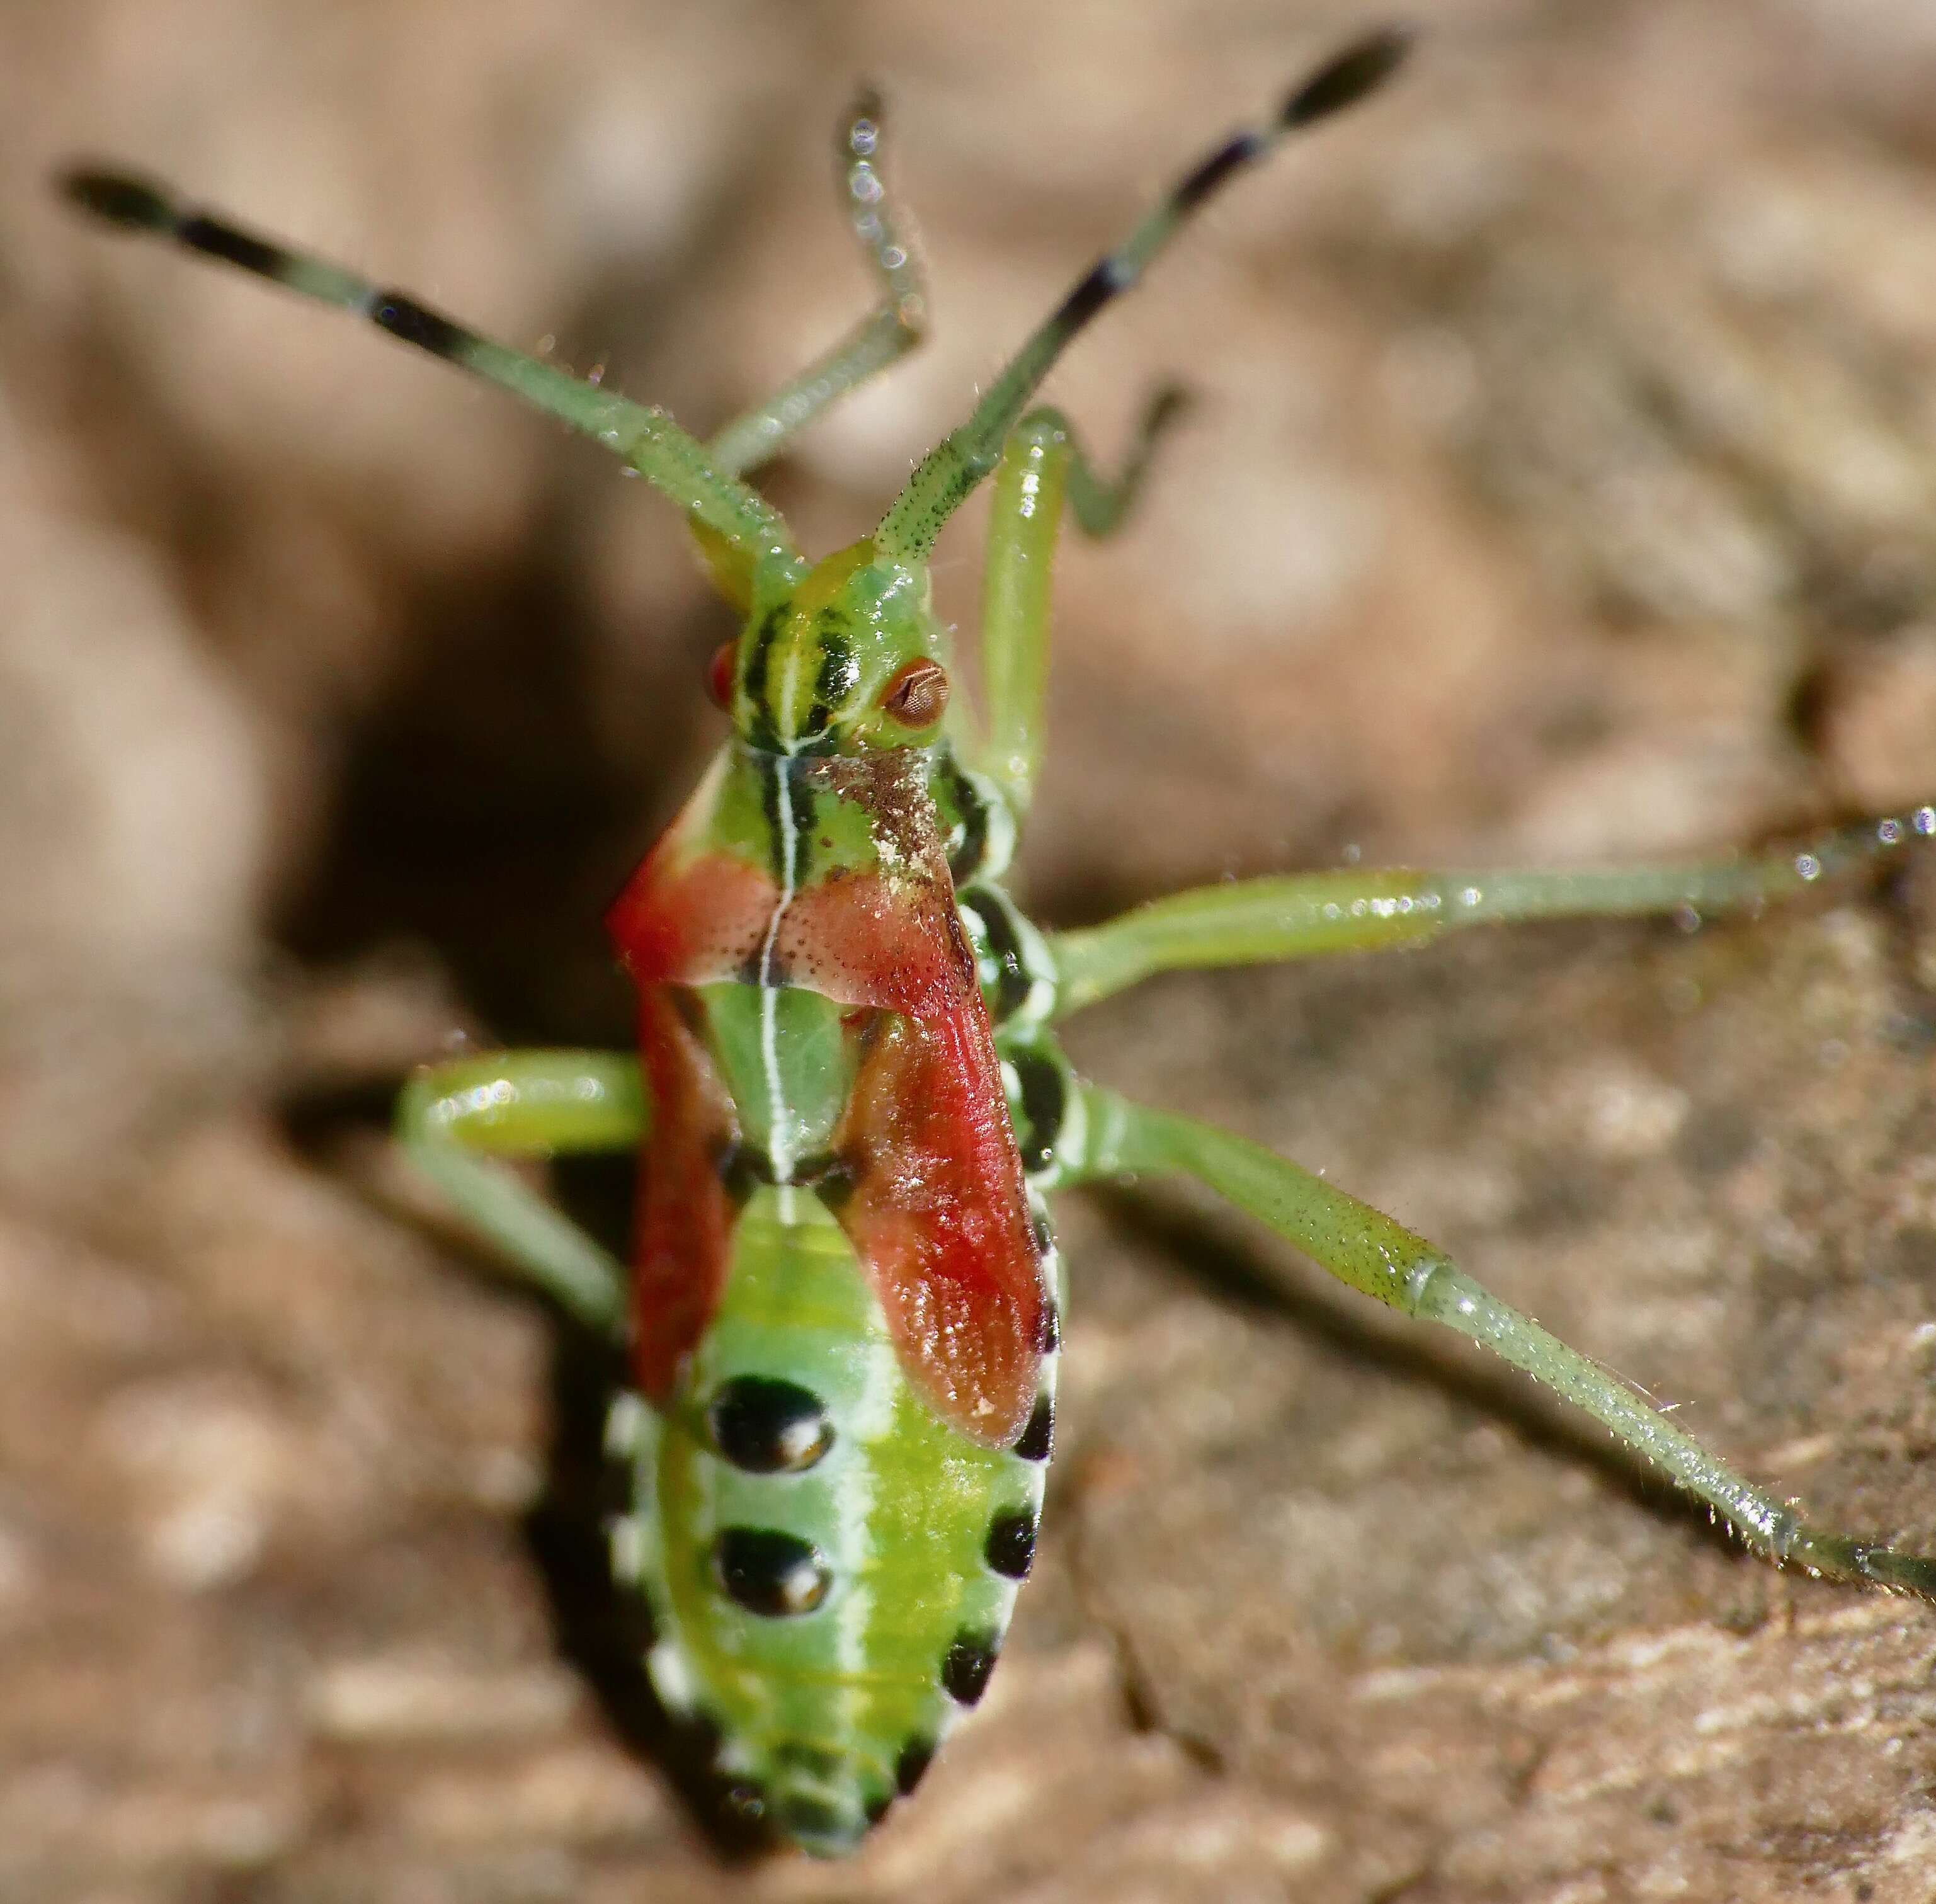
(1560, 488)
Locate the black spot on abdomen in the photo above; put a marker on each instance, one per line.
(777, 1576)
(965, 1666)
(917, 1755)
(764, 1425)
(1009, 1549)
(1037, 1441)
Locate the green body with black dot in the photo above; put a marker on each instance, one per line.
(830, 1568)
(842, 1317)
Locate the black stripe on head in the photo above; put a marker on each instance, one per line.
(839, 670)
(815, 1761)
(1347, 78)
(119, 199)
(759, 666)
(833, 680)
(403, 317)
(1232, 157)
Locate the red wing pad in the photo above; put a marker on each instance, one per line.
(692, 919)
(938, 1212)
(875, 925)
(853, 937)
(938, 1218)
(685, 1216)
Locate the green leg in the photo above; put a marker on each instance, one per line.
(1362, 1247)
(1042, 467)
(885, 333)
(1254, 921)
(454, 1118)
(645, 437)
(950, 472)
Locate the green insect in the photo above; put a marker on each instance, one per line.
(842, 1318)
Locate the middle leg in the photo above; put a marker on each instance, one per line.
(1300, 916)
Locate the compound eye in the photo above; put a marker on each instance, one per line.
(719, 673)
(917, 694)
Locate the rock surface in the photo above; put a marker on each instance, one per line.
(1559, 487)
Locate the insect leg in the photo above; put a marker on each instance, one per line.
(644, 437)
(893, 327)
(1363, 1247)
(1041, 466)
(1256, 921)
(452, 1118)
(950, 472)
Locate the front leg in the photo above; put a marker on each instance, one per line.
(1366, 1249)
(452, 1118)
(1043, 467)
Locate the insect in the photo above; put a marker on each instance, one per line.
(842, 1320)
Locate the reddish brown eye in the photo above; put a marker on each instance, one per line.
(917, 694)
(719, 672)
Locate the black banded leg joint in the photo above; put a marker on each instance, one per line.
(412, 322)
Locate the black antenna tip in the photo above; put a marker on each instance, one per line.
(1346, 78)
(118, 199)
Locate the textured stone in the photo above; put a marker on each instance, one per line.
(1560, 486)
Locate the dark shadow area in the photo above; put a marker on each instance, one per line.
(478, 812)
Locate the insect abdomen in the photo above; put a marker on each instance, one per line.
(831, 1567)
